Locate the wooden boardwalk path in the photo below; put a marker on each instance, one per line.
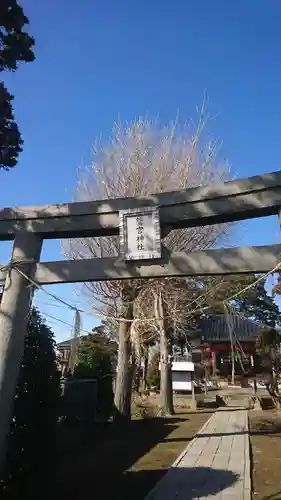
(215, 465)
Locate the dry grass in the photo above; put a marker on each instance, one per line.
(125, 462)
(265, 427)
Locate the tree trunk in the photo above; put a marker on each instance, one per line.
(275, 388)
(166, 389)
(272, 379)
(132, 374)
(137, 377)
(272, 388)
(206, 380)
(124, 376)
(145, 367)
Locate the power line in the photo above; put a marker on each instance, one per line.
(104, 316)
(66, 323)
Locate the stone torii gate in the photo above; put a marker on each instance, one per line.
(213, 204)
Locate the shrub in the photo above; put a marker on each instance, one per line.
(95, 362)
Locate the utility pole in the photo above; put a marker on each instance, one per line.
(14, 311)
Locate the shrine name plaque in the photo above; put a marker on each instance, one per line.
(140, 233)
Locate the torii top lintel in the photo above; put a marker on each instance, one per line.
(212, 204)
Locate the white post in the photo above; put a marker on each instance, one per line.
(15, 305)
(192, 391)
(193, 398)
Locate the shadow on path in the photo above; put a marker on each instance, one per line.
(191, 483)
(274, 496)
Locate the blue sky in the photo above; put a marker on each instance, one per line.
(126, 58)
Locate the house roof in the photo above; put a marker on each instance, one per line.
(215, 328)
(65, 343)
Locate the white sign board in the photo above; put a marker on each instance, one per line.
(140, 234)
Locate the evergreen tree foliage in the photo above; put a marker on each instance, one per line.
(255, 303)
(15, 46)
(260, 306)
(32, 432)
(10, 138)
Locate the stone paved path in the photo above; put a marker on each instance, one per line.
(215, 465)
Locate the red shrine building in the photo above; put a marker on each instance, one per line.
(216, 340)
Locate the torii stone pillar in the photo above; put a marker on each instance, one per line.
(15, 306)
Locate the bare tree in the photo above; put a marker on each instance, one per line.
(141, 159)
